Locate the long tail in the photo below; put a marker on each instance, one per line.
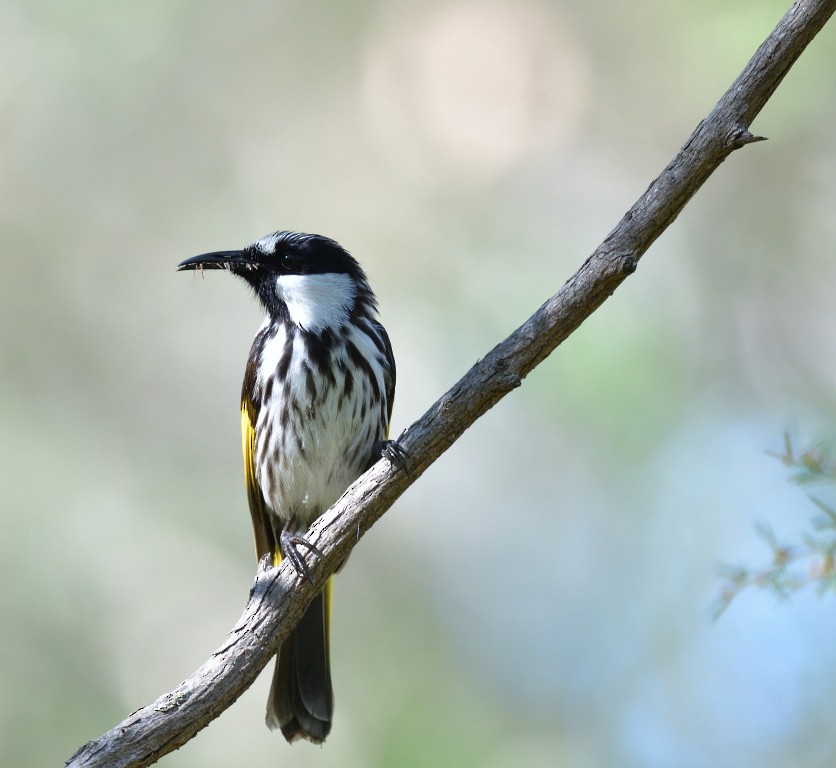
(301, 699)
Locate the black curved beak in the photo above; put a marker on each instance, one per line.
(232, 260)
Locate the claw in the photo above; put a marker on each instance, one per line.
(288, 542)
(393, 452)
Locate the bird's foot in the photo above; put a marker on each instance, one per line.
(393, 452)
(289, 543)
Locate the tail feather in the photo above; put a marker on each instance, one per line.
(301, 701)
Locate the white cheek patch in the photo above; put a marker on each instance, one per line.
(317, 302)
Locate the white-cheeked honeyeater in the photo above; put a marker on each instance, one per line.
(315, 409)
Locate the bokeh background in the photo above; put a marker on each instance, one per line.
(542, 596)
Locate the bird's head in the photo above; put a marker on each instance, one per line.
(309, 280)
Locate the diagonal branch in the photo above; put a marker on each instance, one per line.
(278, 597)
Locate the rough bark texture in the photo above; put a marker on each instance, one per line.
(278, 597)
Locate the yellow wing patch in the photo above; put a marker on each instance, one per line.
(262, 529)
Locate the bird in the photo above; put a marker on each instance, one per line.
(316, 402)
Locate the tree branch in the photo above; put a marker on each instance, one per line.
(278, 596)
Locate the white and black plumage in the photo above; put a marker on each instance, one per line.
(315, 409)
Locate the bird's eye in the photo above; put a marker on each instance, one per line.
(290, 261)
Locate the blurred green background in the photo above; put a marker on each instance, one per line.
(541, 597)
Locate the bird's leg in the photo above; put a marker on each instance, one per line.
(393, 452)
(289, 540)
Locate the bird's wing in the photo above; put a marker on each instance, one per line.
(389, 376)
(265, 541)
